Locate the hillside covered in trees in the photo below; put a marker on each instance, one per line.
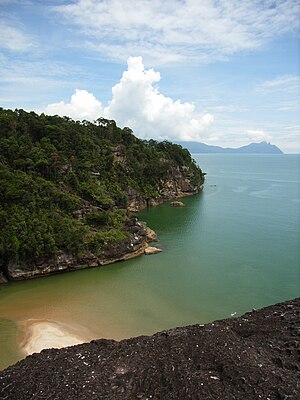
(66, 186)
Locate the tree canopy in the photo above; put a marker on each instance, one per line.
(52, 167)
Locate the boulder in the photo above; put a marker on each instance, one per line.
(152, 250)
(151, 235)
(177, 204)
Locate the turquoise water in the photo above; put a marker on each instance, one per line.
(232, 248)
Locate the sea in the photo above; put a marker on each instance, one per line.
(232, 248)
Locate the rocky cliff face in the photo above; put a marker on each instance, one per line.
(179, 183)
(255, 356)
(134, 245)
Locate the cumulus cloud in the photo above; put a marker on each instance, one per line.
(165, 31)
(258, 135)
(137, 103)
(83, 105)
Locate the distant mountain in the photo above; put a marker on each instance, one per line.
(252, 148)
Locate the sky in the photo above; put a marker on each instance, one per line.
(222, 72)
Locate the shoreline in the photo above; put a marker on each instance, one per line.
(63, 262)
(251, 356)
(36, 335)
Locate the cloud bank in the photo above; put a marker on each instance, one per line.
(258, 135)
(164, 31)
(137, 103)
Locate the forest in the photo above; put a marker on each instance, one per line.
(64, 183)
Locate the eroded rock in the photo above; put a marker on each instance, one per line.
(151, 235)
(152, 250)
(177, 204)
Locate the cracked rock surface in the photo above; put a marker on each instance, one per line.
(255, 356)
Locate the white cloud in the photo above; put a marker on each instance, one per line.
(293, 127)
(14, 39)
(19, 75)
(173, 30)
(136, 102)
(284, 83)
(290, 105)
(258, 135)
(83, 105)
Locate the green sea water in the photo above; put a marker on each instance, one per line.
(232, 248)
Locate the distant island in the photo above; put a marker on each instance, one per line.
(252, 148)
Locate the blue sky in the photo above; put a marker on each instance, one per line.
(220, 72)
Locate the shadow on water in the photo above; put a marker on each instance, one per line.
(173, 219)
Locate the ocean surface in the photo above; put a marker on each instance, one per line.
(232, 248)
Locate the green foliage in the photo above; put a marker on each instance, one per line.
(52, 167)
(95, 241)
(117, 218)
(97, 218)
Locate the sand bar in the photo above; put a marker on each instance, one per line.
(36, 335)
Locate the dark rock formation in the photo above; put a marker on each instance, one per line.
(255, 356)
(131, 247)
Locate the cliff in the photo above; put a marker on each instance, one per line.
(178, 183)
(133, 245)
(255, 356)
(68, 189)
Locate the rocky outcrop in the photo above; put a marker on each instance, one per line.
(177, 204)
(132, 246)
(151, 235)
(178, 184)
(255, 356)
(152, 250)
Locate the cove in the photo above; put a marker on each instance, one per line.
(232, 248)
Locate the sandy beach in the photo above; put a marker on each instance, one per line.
(36, 335)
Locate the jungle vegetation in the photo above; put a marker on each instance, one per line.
(52, 167)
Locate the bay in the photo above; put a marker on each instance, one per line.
(232, 248)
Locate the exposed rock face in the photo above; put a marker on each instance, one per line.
(179, 184)
(131, 247)
(177, 204)
(255, 356)
(151, 235)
